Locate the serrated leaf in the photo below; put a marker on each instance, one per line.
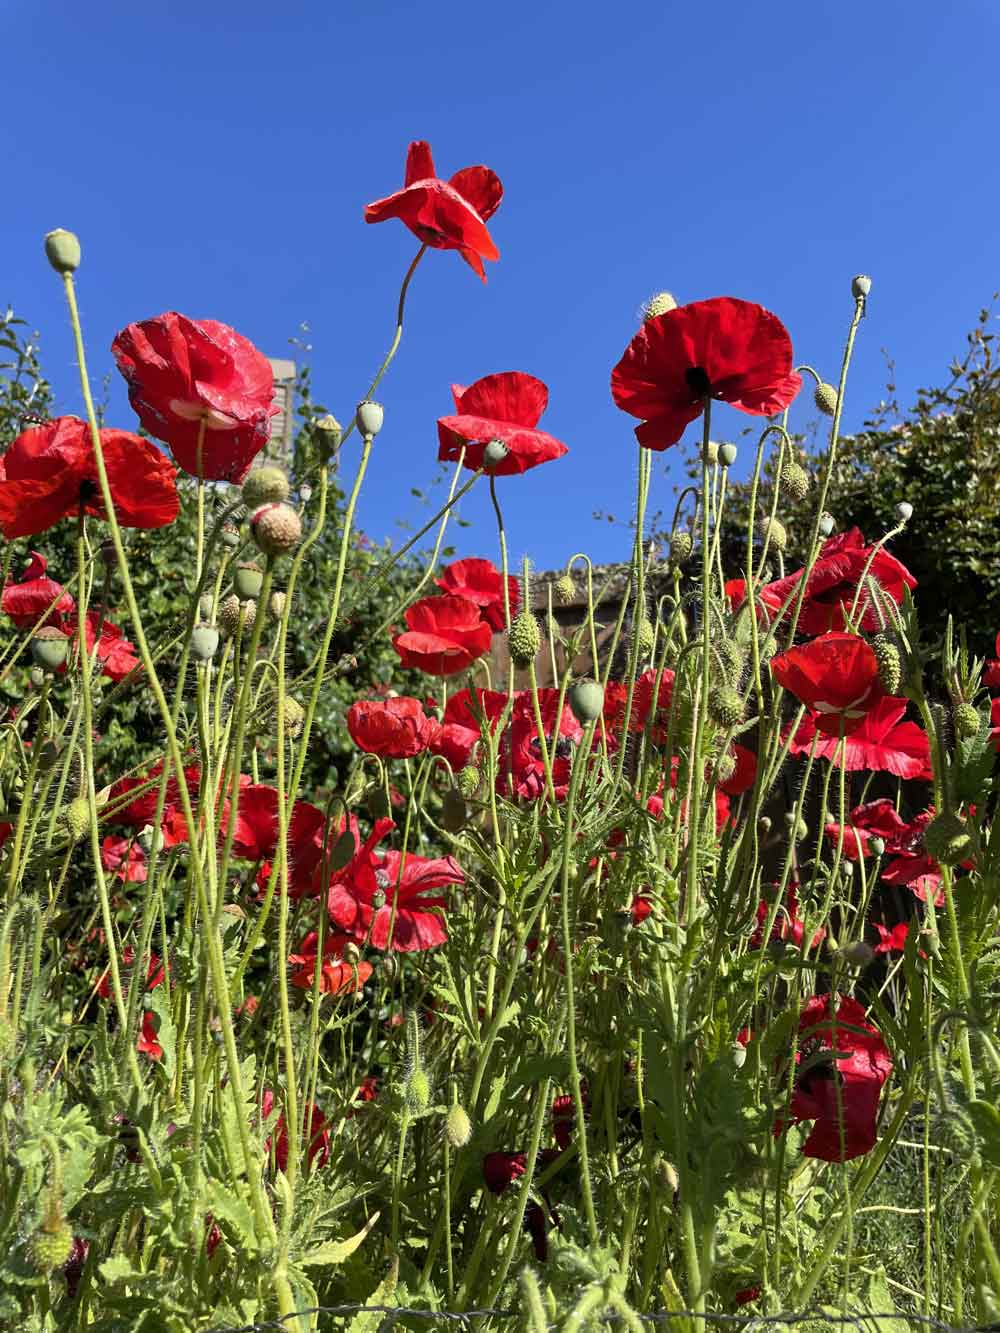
(336, 1251)
(986, 1122)
(227, 1207)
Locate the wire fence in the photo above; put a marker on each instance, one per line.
(864, 1321)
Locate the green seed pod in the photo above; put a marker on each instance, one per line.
(248, 579)
(861, 285)
(204, 642)
(457, 1127)
(232, 610)
(795, 481)
(725, 707)
(946, 839)
(50, 1247)
(564, 590)
(417, 1091)
(276, 604)
(494, 454)
(265, 485)
(49, 648)
(586, 701)
(877, 846)
(710, 452)
(772, 531)
(967, 721)
(328, 433)
(681, 546)
(524, 639)
(62, 250)
(276, 528)
(827, 524)
(727, 454)
(76, 817)
(659, 304)
(230, 536)
(468, 781)
(369, 417)
(890, 664)
(825, 398)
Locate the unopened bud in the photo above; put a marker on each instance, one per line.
(276, 528)
(659, 304)
(946, 839)
(825, 398)
(457, 1127)
(276, 604)
(417, 1091)
(725, 707)
(468, 781)
(646, 636)
(795, 481)
(62, 249)
(827, 523)
(681, 546)
(524, 639)
(772, 531)
(890, 663)
(265, 485)
(966, 720)
(564, 590)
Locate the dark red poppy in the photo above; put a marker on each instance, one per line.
(721, 348)
(35, 596)
(315, 1128)
(375, 891)
(788, 925)
(197, 379)
(459, 732)
(641, 908)
(504, 407)
(835, 676)
(337, 977)
(50, 473)
(481, 582)
(522, 768)
(881, 741)
(446, 215)
(744, 775)
(255, 836)
(393, 728)
(642, 705)
(501, 1169)
(139, 812)
(894, 940)
(445, 636)
(995, 723)
(840, 1090)
(991, 672)
(906, 861)
(126, 859)
(874, 819)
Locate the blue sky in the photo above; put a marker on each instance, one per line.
(216, 158)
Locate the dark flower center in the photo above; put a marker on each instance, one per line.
(698, 382)
(89, 491)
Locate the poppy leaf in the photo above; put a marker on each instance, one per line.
(336, 1251)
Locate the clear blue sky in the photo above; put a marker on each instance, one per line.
(215, 158)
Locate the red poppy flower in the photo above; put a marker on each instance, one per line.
(642, 704)
(744, 775)
(446, 215)
(839, 1092)
(373, 891)
(125, 858)
(315, 1128)
(995, 723)
(722, 348)
(880, 742)
(191, 379)
(255, 836)
(991, 673)
(481, 582)
(35, 595)
(115, 654)
(874, 819)
(393, 728)
(336, 976)
(907, 863)
(458, 734)
(139, 812)
(787, 926)
(746, 1295)
(49, 473)
(641, 908)
(521, 768)
(832, 586)
(501, 1169)
(504, 407)
(835, 676)
(147, 1041)
(445, 636)
(894, 940)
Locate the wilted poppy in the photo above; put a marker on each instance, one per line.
(445, 636)
(50, 473)
(446, 215)
(481, 582)
(504, 407)
(35, 595)
(881, 742)
(202, 388)
(721, 348)
(393, 728)
(835, 676)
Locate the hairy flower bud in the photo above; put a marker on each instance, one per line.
(524, 639)
(417, 1091)
(658, 305)
(725, 707)
(276, 528)
(732, 660)
(62, 250)
(890, 663)
(795, 481)
(646, 636)
(76, 817)
(798, 830)
(457, 1127)
(904, 511)
(564, 590)
(50, 1246)
(825, 397)
(586, 701)
(946, 839)
(468, 781)
(710, 453)
(967, 721)
(265, 485)
(294, 716)
(681, 546)
(49, 647)
(248, 579)
(772, 531)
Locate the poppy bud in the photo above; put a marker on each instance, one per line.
(457, 1127)
(343, 851)
(827, 523)
(564, 590)
(795, 481)
(877, 845)
(731, 657)
(725, 766)
(772, 530)
(294, 716)
(890, 664)
(276, 528)
(248, 579)
(586, 701)
(494, 454)
(825, 397)
(681, 546)
(861, 286)
(62, 249)
(76, 817)
(49, 647)
(659, 305)
(52, 1244)
(389, 967)
(646, 636)
(904, 511)
(966, 721)
(468, 782)
(230, 536)
(727, 454)
(798, 830)
(352, 954)
(946, 839)
(204, 642)
(276, 605)
(265, 485)
(205, 604)
(524, 639)
(764, 825)
(417, 1091)
(378, 899)
(369, 417)
(856, 954)
(725, 706)
(666, 1173)
(711, 452)
(377, 804)
(305, 492)
(232, 611)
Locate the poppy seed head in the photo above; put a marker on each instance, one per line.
(62, 250)
(276, 528)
